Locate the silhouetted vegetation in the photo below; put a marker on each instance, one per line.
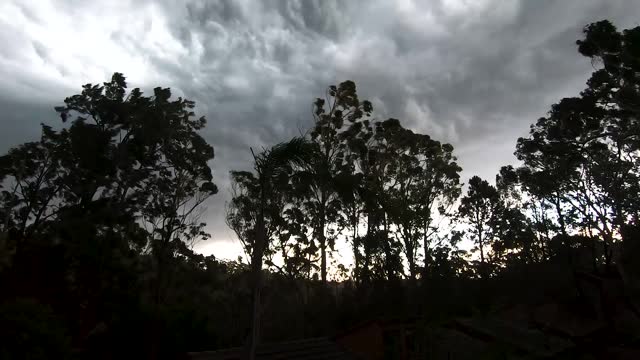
(99, 216)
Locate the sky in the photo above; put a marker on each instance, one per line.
(474, 73)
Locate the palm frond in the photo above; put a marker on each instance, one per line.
(297, 151)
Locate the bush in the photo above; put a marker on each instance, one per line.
(30, 330)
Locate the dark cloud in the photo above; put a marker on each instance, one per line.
(473, 73)
(21, 122)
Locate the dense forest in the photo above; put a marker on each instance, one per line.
(98, 218)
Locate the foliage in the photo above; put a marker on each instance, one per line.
(32, 331)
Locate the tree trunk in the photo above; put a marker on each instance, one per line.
(563, 230)
(367, 248)
(162, 260)
(256, 274)
(255, 320)
(356, 254)
(411, 260)
(387, 250)
(425, 244)
(563, 227)
(323, 253)
(323, 241)
(483, 266)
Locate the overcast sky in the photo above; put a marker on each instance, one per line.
(474, 73)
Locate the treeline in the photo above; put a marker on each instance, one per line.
(98, 218)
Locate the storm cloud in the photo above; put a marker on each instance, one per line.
(472, 73)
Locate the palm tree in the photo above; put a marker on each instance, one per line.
(272, 167)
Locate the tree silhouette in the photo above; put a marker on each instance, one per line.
(580, 157)
(127, 173)
(318, 177)
(481, 207)
(251, 212)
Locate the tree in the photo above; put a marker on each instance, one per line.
(252, 213)
(420, 176)
(480, 208)
(124, 161)
(383, 149)
(438, 187)
(361, 197)
(318, 177)
(349, 188)
(371, 155)
(581, 157)
(516, 231)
